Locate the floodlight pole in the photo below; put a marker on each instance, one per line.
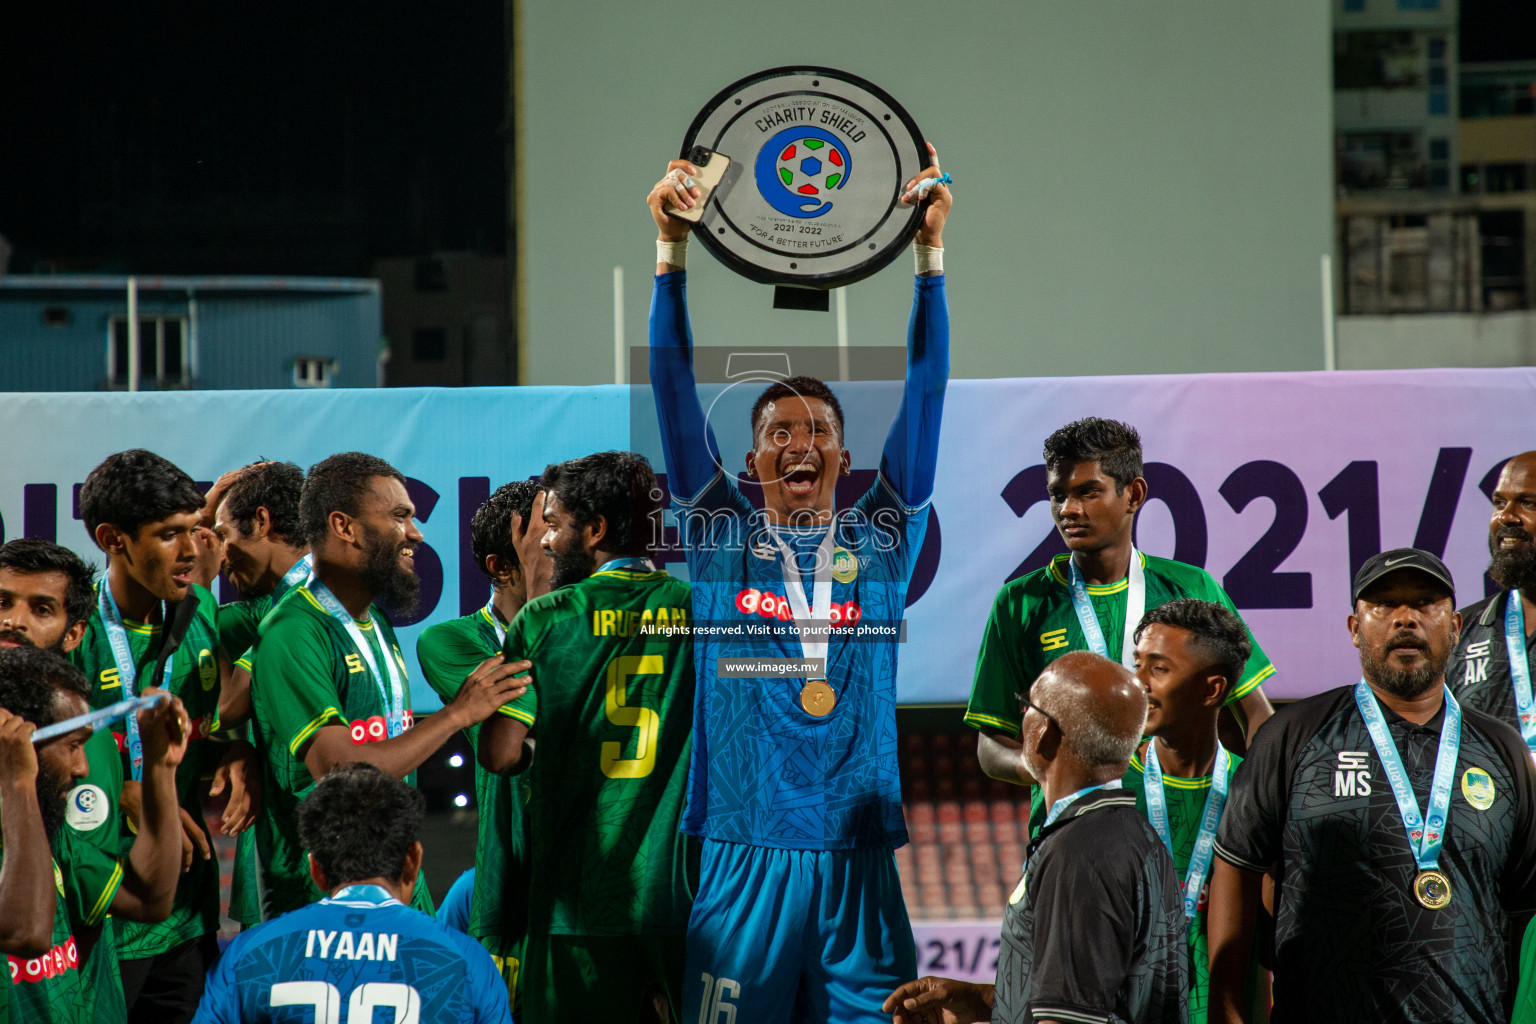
(133, 333)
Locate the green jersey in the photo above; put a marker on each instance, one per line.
(1525, 994)
(1034, 622)
(52, 989)
(239, 622)
(448, 653)
(612, 709)
(307, 674)
(1185, 799)
(98, 836)
(194, 677)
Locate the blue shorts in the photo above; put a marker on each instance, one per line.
(803, 935)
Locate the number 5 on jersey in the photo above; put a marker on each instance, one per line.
(632, 716)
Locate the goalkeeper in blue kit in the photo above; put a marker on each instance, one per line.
(793, 783)
(362, 948)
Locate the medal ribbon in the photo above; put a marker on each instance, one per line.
(1135, 607)
(1424, 836)
(1205, 839)
(394, 695)
(127, 671)
(1519, 667)
(1067, 801)
(820, 607)
(297, 573)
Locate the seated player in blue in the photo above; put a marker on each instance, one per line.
(360, 948)
(793, 783)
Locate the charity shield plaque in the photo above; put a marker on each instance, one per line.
(811, 198)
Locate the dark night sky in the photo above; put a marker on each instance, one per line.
(269, 138)
(287, 137)
(1498, 30)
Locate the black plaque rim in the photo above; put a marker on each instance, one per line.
(832, 279)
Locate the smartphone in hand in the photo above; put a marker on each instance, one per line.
(712, 167)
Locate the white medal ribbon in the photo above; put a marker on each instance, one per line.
(394, 694)
(1135, 608)
(1205, 839)
(819, 609)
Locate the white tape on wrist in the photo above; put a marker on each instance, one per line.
(930, 259)
(673, 253)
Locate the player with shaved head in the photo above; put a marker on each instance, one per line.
(1094, 931)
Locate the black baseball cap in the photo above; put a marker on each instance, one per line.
(1398, 559)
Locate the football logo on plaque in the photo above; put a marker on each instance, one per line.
(811, 197)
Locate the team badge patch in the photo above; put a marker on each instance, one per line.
(207, 669)
(87, 808)
(1477, 787)
(845, 566)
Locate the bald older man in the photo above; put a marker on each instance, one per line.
(1496, 631)
(1095, 930)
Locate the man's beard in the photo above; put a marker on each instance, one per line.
(394, 586)
(52, 798)
(571, 566)
(17, 637)
(1514, 569)
(1405, 683)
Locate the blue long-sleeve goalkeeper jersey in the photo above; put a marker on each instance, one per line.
(339, 959)
(763, 771)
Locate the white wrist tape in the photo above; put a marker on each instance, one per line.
(929, 258)
(674, 253)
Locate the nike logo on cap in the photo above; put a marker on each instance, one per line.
(1389, 562)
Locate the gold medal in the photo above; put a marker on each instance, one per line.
(817, 698)
(1432, 889)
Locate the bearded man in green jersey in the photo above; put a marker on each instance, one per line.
(46, 598)
(609, 884)
(153, 625)
(506, 535)
(52, 884)
(1090, 598)
(328, 682)
(1189, 655)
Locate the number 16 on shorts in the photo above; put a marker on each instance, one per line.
(715, 1007)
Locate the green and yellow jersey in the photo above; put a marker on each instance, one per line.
(448, 653)
(93, 819)
(1185, 799)
(240, 623)
(53, 988)
(307, 674)
(194, 677)
(612, 711)
(1033, 622)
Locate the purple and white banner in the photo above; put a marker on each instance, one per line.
(1276, 483)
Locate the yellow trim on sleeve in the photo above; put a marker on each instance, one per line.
(975, 719)
(1252, 683)
(305, 733)
(517, 713)
(245, 663)
(108, 891)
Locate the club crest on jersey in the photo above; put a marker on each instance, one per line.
(207, 669)
(1477, 787)
(1352, 777)
(845, 565)
(1479, 656)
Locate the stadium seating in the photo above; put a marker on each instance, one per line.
(968, 831)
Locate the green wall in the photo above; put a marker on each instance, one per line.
(1140, 187)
